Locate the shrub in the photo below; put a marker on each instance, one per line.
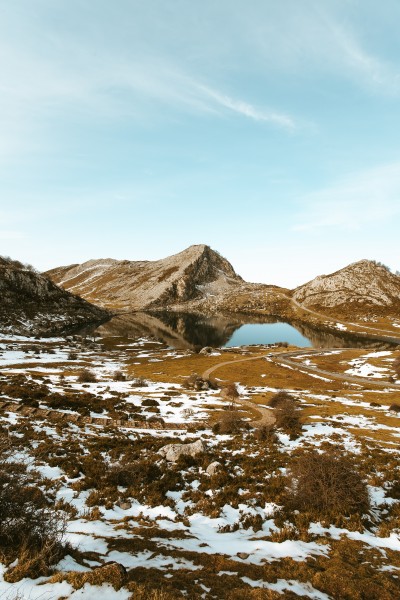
(87, 376)
(394, 407)
(287, 417)
(327, 485)
(280, 398)
(119, 376)
(139, 382)
(231, 422)
(31, 530)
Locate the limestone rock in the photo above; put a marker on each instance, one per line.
(213, 468)
(172, 452)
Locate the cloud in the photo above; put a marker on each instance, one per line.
(247, 110)
(364, 198)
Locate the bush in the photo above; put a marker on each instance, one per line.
(119, 376)
(327, 485)
(287, 417)
(231, 422)
(31, 530)
(87, 376)
(280, 398)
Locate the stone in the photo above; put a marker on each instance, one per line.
(206, 350)
(243, 555)
(213, 467)
(172, 452)
(124, 505)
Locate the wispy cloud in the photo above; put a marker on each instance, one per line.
(247, 110)
(367, 197)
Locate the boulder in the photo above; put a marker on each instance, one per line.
(206, 350)
(213, 467)
(172, 452)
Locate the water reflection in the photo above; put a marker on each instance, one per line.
(187, 330)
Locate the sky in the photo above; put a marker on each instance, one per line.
(268, 130)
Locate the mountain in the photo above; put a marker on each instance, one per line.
(31, 304)
(364, 287)
(195, 273)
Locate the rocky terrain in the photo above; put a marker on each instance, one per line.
(33, 305)
(197, 272)
(362, 287)
(200, 280)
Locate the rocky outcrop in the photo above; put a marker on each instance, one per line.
(194, 273)
(172, 452)
(33, 305)
(362, 287)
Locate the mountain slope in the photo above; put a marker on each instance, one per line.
(364, 287)
(32, 304)
(194, 273)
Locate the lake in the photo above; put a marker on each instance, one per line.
(195, 331)
(267, 333)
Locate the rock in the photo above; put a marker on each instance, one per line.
(206, 350)
(213, 467)
(243, 555)
(124, 505)
(172, 452)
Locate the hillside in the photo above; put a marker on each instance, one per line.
(32, 304)
(195, 273)
(362, 288)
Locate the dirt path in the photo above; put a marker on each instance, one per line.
(267, 417)
(283, 358)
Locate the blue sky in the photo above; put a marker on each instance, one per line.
(268, 130)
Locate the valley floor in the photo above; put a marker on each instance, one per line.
(83, 421)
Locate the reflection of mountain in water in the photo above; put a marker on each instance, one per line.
(188, 330)
(180, 330)
(320, 338)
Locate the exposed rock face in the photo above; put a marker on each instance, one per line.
(362, 287)
(172, 452)
(31, 304)
(194, 273)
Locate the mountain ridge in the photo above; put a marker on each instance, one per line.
(135, 285)
(33, 305)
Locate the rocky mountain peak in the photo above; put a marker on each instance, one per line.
(362, 287)
(135, 285)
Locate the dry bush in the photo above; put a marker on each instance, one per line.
(139, 382)
(119, 376)
(87, 376)
(326, 485)
(31, 530)
(287, 417)
(230, 422)
(280, 398)
(395, 408)
(112, 573)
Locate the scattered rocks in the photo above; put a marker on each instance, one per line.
(172, 452)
